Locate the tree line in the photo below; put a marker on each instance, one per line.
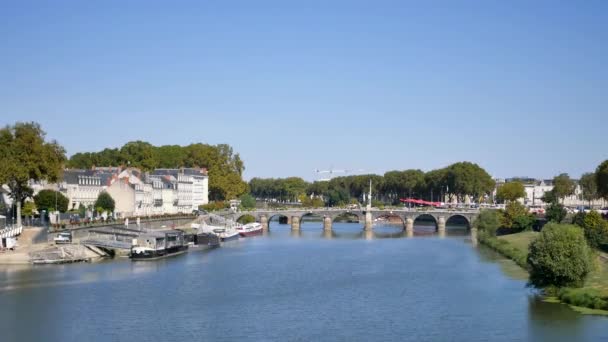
(456, 181)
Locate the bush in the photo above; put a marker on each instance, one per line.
(596, 229)
(488, 221)
(517, 217)
(247, 201)
(555, 212)
(583, 297)
(559, 257)
(579, 218)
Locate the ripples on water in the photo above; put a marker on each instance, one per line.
(305, 286)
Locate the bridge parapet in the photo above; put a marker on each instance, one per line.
(441, 217)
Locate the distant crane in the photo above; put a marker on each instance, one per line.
(331, 171)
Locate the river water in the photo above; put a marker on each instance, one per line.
(346, 286)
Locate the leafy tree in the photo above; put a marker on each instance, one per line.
(247, 201)
(563, 186)
(46, 199)
(589, 186)
(466, 178)
(105, 202)
(579, 218)
(559, 256)
(82, 211)
(28, 209)
(517, 217)
(549, 197)
(435, 184)
(337, 197)
(26, 156)
(141, 154)
(601, 179)
(488, 221)
(555, 212)
(510, 192)
(596, 229)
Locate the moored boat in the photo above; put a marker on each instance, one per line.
(250, 229)
(156, 245)
(226, 234)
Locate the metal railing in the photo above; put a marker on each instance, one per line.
(9, 232)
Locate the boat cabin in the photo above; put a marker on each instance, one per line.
(163, 239)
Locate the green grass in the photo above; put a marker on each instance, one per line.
(520, 241)
(585, 300)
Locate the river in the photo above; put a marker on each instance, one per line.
(310, 286)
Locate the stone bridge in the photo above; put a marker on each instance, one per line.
(294, 217)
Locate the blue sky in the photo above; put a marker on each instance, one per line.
(518, 87)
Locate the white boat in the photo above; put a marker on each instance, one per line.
(225, 233)
(250, 229)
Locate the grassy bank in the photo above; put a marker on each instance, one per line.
(590, 299)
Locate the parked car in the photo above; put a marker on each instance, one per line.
(62, 238)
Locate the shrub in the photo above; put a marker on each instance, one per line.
(583, 297)
(555, 212)
(488, 221)
(579, 218)
(559, 256)
(596, 229)
(517, 217)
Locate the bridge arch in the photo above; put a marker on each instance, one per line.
(246, 218)
(349, 215)
(282, 218)
(426, 223)
(458, 219)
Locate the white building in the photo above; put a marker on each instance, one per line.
(192, 187)
(80, 187)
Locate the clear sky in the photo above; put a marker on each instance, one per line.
(519, 87)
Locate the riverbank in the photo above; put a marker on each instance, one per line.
(592, 298)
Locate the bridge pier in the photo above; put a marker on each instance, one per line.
(441, 226)
(264, 223)
(327, 223)
(409, 227)
(295, 223)
(328, 234)
(368, 221)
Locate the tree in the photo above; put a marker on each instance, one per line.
(51, 199)
(466, 178)
(488, 221)
(596, 229)
(601, 179)
(555, 212)
(517, 217)
(510, 192)
(549, 197)
(589, 186)
(105, 202)
(82, 211)
(26, 156)
(559, 256)
(28, 209)
(247, 201)
(563, 186)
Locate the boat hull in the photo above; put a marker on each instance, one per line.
(251, 233)
(159, 254)
(229, 238)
